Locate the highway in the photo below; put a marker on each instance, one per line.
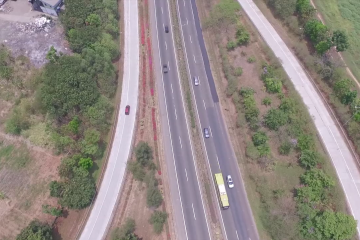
(345, 164)
(102, 211)
(237, 220)
(187, 200)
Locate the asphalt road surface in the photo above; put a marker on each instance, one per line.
(187, 201)
(237, 220)
(101, 214)
(345, 164)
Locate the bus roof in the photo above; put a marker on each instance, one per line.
(222, 189)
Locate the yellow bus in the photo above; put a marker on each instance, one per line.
(221, 191)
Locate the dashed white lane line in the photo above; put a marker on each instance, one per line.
(162, 10)
(172, 90)
(190, 39)
(237, 235)
(186, 175)
(175, 113)
(193, 210)
(194, 58)
(204, 104)
(166, 45)
(180, 141)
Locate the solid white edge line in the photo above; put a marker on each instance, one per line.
(197, 112)
(167, 116)
(187, 124)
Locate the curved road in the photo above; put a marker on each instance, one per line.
(343, 161)
(101, 214)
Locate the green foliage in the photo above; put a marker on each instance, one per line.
(231, 45)
(35, 231)
(259, 138)
(99, 114)
(158, 219)
(264, 150)
(52, 55)
(67, 166)
(340, 40)
(251, 59)
(62, 143)
(305, 10)
(288, 105)
(153, 196)
(238, 71)
(251, 110)
(53, 211)
(275, 118)
(273, 85)
(74, 125)
(223, 15)
(90, 143)
(17, 122)
(323, 46)
(228, 72)
(67, 86)
(143, 153)
(283, 8)
(342, 90)
(266, 101)
(83, 37)
(85, 163)
(285, 148)
(56, 189)
(93, 20)
(126, 231)
(330, 225)
(305, 142)
(6, 67)
(316, 179)
(309, 159)
(316, 31)
(137, 170)
(242, 36)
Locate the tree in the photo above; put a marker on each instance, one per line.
(332, 225)
(283, 8)
(84, 37)
(242, 36)
(275, 118)
(322, 47)
(52, 55)
(93, 20)
(316, 31)
(317, 179)
(153, 197)
(273, 85)
(56, 189)
(143, 153)
(54, 211)
(17, 122)
(126, 231)
(259, 138)
(89, 145)
(340, 40)
(35, 231)
(99, 114)
(309, 159)
(78, 191)
(158, 219)
(305, 10)
(342, 90)
(86, 163)
(74, 125)
(67, 86)
(137, 170)
(305, 142)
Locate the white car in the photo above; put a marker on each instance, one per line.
(230, 181)
(196, 81)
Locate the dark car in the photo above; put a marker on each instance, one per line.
(166, 29)
(165, 68)
(206, 133)
(127, 110)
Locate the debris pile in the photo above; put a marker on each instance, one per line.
(5, 8)
(41, 24)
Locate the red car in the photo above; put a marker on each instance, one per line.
(127, 110)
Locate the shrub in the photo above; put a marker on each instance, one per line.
(158, 219)
(285, 148)
(251, 110)
(305, 142)
(275, 118)
(309, 159)
(35, 230)
(283, 8)
(74, 125)
(264, 150)
(266, 101)
(259, 138)
(251, 59)
(85, 163)
(90, 143)
(238, 71)
(242, 36)
(137, 170)
(126, 231)
(17, 122)
(153, 197)
(231, 45)
(56, 189)
(273, 85)
(143, 153)
(53, 211)
(342, 90)
(252, 151)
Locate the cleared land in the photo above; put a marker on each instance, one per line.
(344, 15)
(268, 153)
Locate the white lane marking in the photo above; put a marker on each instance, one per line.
(163, 26)
(166, 45)
(162, 10)
(217, 159)
(167, 116)
(168, 66)
(210, 131)
(187, 21)
(204, 104)
(194, 58)
(175, 112)
(186, 175)
(190, 39)
(193, 210)
(187, 127)
(180, 141)
(238, 235)
(184, 2)
(172, 90)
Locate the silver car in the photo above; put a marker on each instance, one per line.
(206, 133)
(196, 81)
(230, 181)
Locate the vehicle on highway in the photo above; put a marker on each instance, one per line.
(196, 81)
(166, 29)
(221, 191)
(230, 181)
(206, 133)
(165, 68)
(127, 110)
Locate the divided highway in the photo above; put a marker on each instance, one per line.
(101, 213)
(187, 201)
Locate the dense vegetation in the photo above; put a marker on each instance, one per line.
(126, 231)
(35, 231)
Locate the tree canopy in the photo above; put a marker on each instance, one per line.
(35, 231)
(340, 40)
